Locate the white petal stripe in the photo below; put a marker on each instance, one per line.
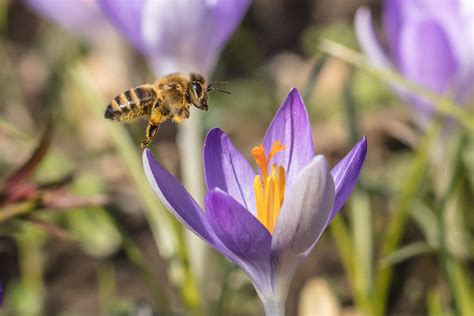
(306, 209)
(368, 40)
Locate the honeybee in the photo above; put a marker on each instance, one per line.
(170, 97)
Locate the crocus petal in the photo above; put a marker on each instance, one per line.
(306, 209)
(82, 17)
(226, 168)
(187, 35)
(371, 46)
(466, 80)
(392, 20)
(346, 173)
(226, 16)
(247, 240)
(180, 203)
(423, 37)
(126, 15)
(301, 222)
(176, 199)
(177, 35)
(292, 128)
(430, 62)
(400, 14)
(368, 40)
(237, 228)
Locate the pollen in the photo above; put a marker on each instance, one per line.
(269, 187)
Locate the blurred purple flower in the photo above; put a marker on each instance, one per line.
(430, 43)
(265, 222)
(177, 35)
(83, 17)
(174, 35)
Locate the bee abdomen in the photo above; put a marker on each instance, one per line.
(131, 104)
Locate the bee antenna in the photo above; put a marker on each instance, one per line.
(220, 90)
(217, 82)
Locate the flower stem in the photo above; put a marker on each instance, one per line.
(274, 307)
(189, 141)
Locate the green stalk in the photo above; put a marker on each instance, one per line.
(225, 288)
(3, 16)
(454, 271)
(106, 287)
(435, 306)
(456, 176)
(461, 284)
(406, 252)
(30, 241)
(361, 221)
(339, 233)
(189, 142)
(409, 191)
(361, 248)
(443, 105)
(313, 78)
(345, 247)
(136, 258)
(16, 209)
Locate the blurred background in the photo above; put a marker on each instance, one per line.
(81, 234)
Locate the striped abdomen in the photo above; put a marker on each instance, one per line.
(131, 104)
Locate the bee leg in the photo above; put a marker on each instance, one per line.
(181, 115)
(156, 118)
(151, 131)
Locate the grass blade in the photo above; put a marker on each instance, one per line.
(400, 214)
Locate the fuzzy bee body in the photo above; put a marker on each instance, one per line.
(169, 97)
(132, 104)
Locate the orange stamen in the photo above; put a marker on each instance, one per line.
(269, 189)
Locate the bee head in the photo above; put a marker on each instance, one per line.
(197, 91)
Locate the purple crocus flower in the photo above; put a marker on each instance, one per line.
(430, 43)
(174, 35)
(268, 221)
(177, 35)
(83, 17)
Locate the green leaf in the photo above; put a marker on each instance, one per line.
(462, 285)
(361, 220)
(434, 303)
(406, 252)
(427, 222)
(397, 221)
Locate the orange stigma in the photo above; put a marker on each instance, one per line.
(269, 189)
